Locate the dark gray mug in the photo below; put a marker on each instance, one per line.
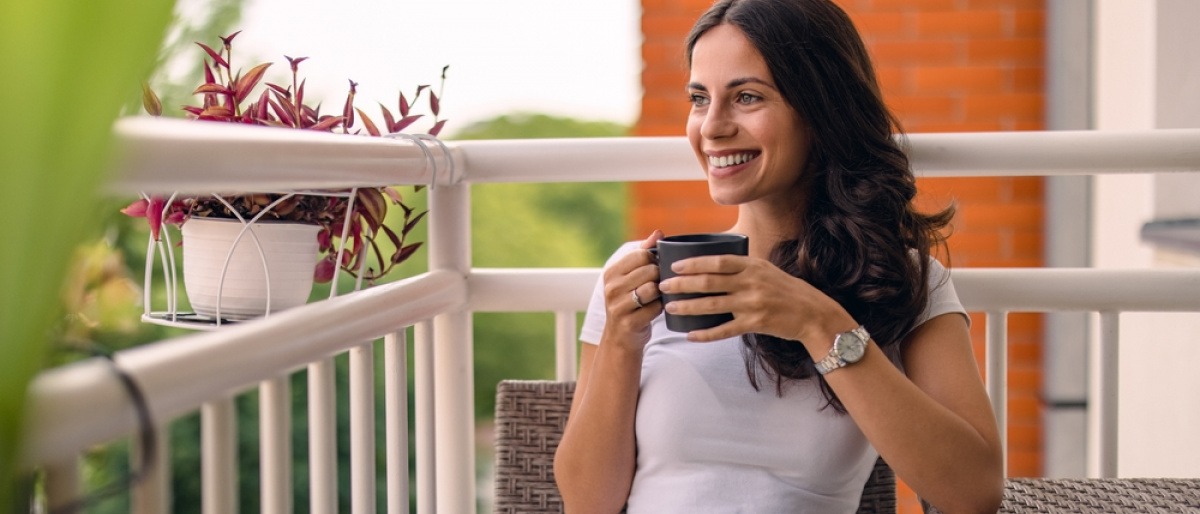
(676, 248)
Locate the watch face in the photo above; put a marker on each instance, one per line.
(850, 347)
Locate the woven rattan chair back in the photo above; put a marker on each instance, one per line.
(530, 416)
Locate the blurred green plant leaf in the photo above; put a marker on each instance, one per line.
(53, 163)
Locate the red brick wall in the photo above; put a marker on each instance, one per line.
(944, 66)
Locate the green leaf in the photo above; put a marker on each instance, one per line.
(150, 101)
(53, 170)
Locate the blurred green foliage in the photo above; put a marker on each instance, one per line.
(68, 68)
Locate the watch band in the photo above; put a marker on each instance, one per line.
(833, 360)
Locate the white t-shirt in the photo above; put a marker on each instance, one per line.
(708, 442)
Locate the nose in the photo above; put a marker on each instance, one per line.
(718, 123)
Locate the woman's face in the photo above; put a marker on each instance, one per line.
(750, 142)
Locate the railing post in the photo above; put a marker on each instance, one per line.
(450, 250)
(1102, 398)
(275, 444)
(322, 437)
(153, 493)
(63, 483)
(218, 458)
(997, 375)
(362, 429)
(564, 346)
(395, 395)
(426, 439)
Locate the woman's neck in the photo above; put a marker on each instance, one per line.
(766, 227)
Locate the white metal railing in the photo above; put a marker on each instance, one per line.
(79, 405)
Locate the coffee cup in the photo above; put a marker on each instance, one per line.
(677, 248)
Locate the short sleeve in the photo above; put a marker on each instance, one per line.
(943, 299)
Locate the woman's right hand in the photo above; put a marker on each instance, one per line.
(635, 274)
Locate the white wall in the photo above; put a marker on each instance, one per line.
(1145, 78)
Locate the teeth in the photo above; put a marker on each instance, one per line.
(729, 160)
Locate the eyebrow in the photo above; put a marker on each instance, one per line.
(732, 83)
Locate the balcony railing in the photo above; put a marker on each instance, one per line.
(83, 404)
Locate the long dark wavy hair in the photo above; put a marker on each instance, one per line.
(860, 239)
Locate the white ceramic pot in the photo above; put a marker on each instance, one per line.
(288, 256)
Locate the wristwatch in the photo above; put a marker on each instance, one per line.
(848, 348)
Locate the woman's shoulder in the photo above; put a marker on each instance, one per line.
(943, 298)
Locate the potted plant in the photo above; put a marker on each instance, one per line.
(242, 226)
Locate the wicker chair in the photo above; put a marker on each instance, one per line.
(530, 416)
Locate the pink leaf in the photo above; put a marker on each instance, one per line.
(370, 125)
(437, 127)
(392, 193)
(406, 121)
(154, 217)
(328, 123)
(324, 240)
(214, 54)
(137, 209)
(228, 40)
(388, 119)
(404, 106)
(325, 269)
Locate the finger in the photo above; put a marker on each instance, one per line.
(723, 264)
(717, 333)
(702, 283)
(700, 306)
(631, 261)
(647, 293)
(652, 241)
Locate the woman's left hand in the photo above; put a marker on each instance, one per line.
(763, 299)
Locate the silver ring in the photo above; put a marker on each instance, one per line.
(636, 300)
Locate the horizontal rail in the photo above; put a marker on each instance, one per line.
(531, 289)
(181, 374)
(81, 404)
(1078, 289)
(157, 155)
(980, 289)
(162, 155)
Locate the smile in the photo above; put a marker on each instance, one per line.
(726, 161)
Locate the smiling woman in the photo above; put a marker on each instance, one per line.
(847, 341)
(586, 64)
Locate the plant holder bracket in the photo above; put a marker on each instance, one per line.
(162, 250)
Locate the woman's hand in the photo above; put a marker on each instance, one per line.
(763, 299)
(632, 279)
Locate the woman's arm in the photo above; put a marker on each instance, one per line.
(934, 427)
(595, 460)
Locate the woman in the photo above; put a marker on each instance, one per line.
(766, 413)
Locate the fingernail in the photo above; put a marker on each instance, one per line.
(670, 307)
